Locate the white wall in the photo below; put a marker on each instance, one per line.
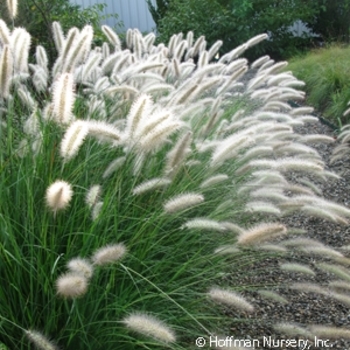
(134, 13)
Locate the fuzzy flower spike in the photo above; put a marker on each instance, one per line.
(58, 196)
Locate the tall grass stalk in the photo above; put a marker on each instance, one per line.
(83, 187)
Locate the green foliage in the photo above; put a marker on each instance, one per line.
(236, 21)
(326, 73)
(159, 10)
(332, 21)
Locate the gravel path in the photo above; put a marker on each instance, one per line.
(303, 308)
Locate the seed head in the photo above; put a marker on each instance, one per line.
(109, 254)
(58, 195)
(150, 326)
(71, 285)
(40, 341)
(93, 195)
(229, 298)
(182, 202)
(81, 267)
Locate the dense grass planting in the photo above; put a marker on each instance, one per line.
(326, 72)
(133, 179)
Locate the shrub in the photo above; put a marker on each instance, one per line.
(332, 21)
(237, 21)
(326, 73)
(130, 185)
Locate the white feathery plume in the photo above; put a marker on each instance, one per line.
(149, 326)
(292, 83)
(322, 251)
(292, 329)
(275, 68)
(158, 136)
(277, 106)
(182, 202)
(262, 207)
(12, 7)
(139, 110)
(204, 224)
(228, 57)
(80, 266)
(233, 77)
(299, 268)
(40, 341)
(71, 285)
(109, 254)
(79, 50)
(226, 249)
(68, 44)
(110, 61)
(92, 63)
(309, 288)
(63, 98)
(260, 233)
(235, 65)
(31, 125)
(342, 285)
(270, 295)
(73, 139)
(41, 57)
(197, 45)
(93, 195)
(302, 110)
(96, 209)
(149, 41)
(256, 40)
(104, 131)
(4, 33)
(228, 146)
(273, 193)
(214, 49)
(273, 248)
(40, 79)
(59, 195)
(328, 332)
(230, 226)
(58, 36)
(229, 298)
(301, 242)
(276, 79)
(113, 166)
(112, 37)
(266, 65)
(337, 270)
(203, 59)
(20, 44)
(286, 165)
(156, 88)
(214, 180)
(316, 139)
(257, 152)
(151, 185)
(178, 154)
(26, 97)
(180, 50)
(189, 38)
(129, 38)
(260, 61)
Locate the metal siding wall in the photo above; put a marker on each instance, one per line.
(133, 13)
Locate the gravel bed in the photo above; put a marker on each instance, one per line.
(303, 308)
